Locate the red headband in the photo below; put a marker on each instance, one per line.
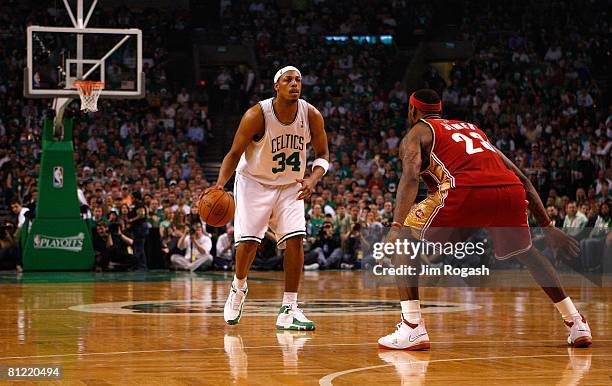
(425, 106)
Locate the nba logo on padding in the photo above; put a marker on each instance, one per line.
(58, 177)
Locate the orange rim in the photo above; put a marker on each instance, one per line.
(87, 86)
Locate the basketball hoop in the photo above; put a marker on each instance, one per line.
(89, 91)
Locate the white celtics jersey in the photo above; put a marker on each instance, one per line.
(279, 157)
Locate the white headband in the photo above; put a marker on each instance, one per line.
(283, 70)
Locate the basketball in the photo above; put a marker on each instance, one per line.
(216, 208)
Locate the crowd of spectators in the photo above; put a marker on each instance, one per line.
(532, 86)
(274, 25)
(347, 82)
(545, 109)
(138, 162)
(536, 85)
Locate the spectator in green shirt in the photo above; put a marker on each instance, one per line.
(316, 220)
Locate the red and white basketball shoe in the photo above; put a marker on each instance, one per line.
(407, 336)
(579, 332)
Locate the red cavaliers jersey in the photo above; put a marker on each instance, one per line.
(462, 156)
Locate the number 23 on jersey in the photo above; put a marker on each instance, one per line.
(469, 142)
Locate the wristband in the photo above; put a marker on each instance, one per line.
(322, 162)
(396, 224)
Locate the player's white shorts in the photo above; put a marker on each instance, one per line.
(259, 206)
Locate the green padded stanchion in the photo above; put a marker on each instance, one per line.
(59, 239)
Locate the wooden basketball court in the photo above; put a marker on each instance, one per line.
(167, 328)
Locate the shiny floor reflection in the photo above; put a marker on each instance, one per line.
(168, 328)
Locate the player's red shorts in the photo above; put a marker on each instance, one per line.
(453, 215)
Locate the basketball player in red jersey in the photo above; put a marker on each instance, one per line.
(472, 185)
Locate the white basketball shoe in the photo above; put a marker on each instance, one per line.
(292, 318)
(407, 336)
(579, 332)
(233, 306)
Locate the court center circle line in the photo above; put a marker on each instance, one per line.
(327, 380)
(269, 307)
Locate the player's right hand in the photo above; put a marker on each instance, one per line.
(212, 187)
(558, 240)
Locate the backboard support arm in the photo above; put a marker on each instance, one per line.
(60, 103)
(71, 14)
(79, 22)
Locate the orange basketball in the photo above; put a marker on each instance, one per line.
(216, 208)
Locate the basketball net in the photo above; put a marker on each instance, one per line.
(89, 91)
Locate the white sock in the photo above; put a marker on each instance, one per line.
(567, 309)
(411, 310)
(240, 283)
(289, 298)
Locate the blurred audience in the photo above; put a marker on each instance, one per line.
(535, 85)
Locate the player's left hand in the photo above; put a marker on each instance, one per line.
(394, 234)
(559, 241)
(308, 186)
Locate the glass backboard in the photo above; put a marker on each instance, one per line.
(58, 56)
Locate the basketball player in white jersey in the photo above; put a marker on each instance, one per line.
(269, 156)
